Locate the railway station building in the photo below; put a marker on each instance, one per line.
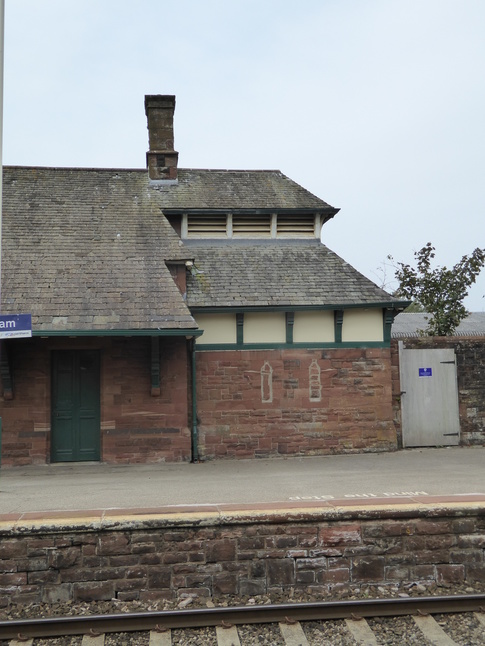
(184, 314)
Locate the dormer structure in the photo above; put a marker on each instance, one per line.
(252, 224)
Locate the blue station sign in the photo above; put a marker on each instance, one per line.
(15, 326)
(425, 372)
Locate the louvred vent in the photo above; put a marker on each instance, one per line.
(262, 225)
(206, 226)
(299, 226)
(251, 227)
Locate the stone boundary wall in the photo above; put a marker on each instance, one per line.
(470, 367)
(310, 550)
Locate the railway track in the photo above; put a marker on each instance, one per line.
(419, 620)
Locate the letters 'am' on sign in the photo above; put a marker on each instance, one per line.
(15, 326)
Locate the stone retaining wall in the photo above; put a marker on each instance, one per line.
(311, 550)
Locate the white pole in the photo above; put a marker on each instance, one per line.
(2, 22)
(2, 41)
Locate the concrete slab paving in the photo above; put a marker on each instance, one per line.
(418, 473)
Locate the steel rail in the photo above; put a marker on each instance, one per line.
(236, 615)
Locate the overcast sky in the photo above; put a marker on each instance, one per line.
(376, 106)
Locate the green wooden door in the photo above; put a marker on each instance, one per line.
(75, 406)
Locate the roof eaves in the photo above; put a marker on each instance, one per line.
(212, 309)
(188, 332)
(256, 211)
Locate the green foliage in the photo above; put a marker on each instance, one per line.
(439, 291)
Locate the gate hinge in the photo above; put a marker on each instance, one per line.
(447, 362)
(449, 434)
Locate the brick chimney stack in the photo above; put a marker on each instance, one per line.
(162, 159)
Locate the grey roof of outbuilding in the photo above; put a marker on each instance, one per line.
(85, 250)
(276, 273)
(411, 324)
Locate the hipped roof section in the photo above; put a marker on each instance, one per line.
(238, 189)
(85, 250)
(277, 273)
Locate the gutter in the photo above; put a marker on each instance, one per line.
(187, 332)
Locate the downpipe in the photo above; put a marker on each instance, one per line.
(195, 431)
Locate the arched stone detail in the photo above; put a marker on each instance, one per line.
(314, 381)
(266, 383)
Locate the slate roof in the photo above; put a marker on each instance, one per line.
(85, 249)
(409, 324)
(237, 189)
(276, 273)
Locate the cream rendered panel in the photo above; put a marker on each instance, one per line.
(265, 327)
(218, 328)
(363, 325)
(314, 327)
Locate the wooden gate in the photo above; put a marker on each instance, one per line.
(429, 397)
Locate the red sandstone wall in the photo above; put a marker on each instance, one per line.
(250, 403)
(135, 427)
(354, 412)
(160, 561)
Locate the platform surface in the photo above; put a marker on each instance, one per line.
(411, 474)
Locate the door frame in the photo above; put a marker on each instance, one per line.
(430, 397)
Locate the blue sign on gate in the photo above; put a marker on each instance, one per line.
(425, 372)
(15, 326)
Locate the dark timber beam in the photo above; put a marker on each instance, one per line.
(389, 316)
(338, 323)
(6, 371)
(155, 366)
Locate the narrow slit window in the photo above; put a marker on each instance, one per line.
(266, 383)
(315, 382)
